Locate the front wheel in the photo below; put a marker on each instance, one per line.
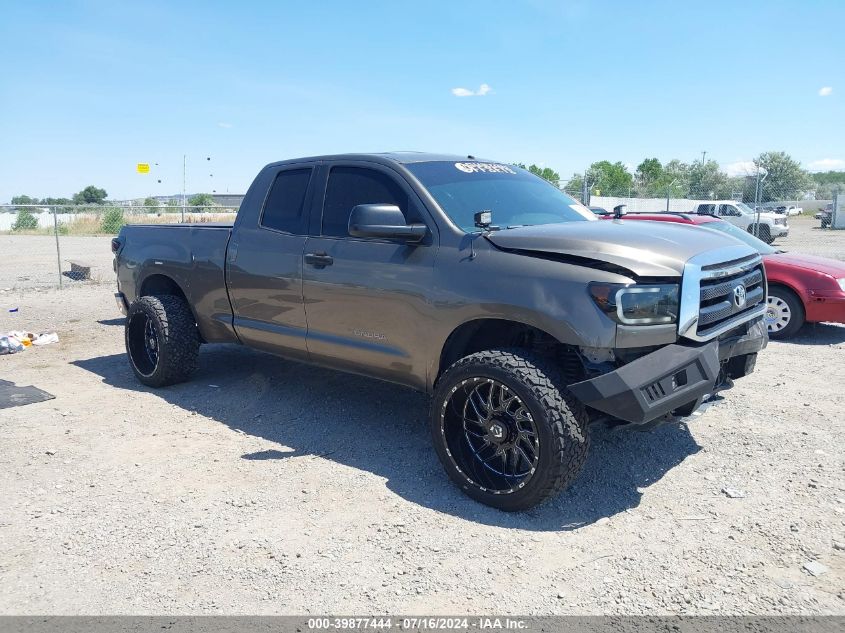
(762, 232)
(784, 313)
(162, 340)
(507, 434)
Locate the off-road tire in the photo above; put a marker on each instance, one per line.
(561, 422)
(796, 312)
(178, 340)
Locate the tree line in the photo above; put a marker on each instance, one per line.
(784, 179)
(92, 195)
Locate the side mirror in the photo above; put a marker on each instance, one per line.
(620, 210)
(385, 221)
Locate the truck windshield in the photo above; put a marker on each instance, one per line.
(743, 236)
(744, 208)
(514, 196)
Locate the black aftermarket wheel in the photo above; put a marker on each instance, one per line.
(161, 340)
(505, 431)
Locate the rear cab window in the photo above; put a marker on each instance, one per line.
(284, 209)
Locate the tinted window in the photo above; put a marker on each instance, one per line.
(706, 208)
(284, 209)
(351, 186)
(514, 196)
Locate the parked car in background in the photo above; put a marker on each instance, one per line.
(771, 225)
(787, 209)
(824, 216)
(802, 288)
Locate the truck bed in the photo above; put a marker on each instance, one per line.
(193, 256)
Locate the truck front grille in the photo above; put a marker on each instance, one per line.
(726, 296)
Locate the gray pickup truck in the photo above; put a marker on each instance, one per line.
(523, 317)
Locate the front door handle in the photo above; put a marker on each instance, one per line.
(319, 260)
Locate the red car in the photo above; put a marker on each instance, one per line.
(802, 288)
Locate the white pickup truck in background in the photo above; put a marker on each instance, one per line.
(771, 225)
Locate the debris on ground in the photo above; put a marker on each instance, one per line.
(17, 341)
(733, 493)
(814, 568)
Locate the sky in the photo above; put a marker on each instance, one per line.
(88, 89)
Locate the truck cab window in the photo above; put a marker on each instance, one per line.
(351, 186)
(284, 208)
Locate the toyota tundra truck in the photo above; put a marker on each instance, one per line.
(524, 318)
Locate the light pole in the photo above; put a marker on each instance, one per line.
(758, 192)
(668, 189)
(185, 180)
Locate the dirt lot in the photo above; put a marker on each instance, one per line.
(264, 486)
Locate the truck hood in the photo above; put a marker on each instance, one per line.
(647, 249)
(768, 215)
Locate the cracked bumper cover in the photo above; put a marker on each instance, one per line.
(671, 377)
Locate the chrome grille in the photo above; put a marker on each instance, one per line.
(726, 297)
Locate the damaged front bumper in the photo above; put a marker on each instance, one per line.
(674, 379)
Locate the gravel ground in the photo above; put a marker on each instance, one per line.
(265, 486)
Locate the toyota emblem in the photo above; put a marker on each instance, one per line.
(739, 296)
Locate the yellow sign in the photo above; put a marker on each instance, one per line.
(143, 168)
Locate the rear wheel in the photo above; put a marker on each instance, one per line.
(505, 431)
(784, 313)
(162, 340)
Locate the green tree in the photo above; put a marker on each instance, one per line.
(90, 195)
(828, 183)
(611, 179)
(547, 173)
(57, 201)
(649, 172)
(203, 200)
(708, 182)
(112, 221)
(24, 200)
(25, 221)
(785, 179)
(150, 202)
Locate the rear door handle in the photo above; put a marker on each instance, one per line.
(319, 260)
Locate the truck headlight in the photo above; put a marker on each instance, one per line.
(841, 283)
(646, 304)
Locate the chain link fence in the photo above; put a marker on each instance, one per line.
(48, 246)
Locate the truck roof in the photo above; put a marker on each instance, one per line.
(403, 158)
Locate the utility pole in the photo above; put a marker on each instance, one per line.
(184, 180)
(703, 155)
